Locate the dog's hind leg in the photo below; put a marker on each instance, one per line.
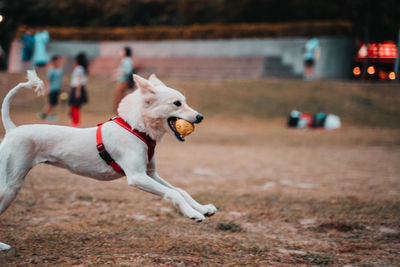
(14, 166)
(7, 195)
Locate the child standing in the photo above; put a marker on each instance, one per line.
(78, 95)
(125, 78)
(53, 85)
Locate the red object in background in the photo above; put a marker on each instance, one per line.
(380, 59)
(385, 50)
(75, 116)
(306, 116)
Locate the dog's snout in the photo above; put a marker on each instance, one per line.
(199, 118)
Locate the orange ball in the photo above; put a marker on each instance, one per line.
(184, 127)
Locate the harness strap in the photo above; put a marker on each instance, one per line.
(151, 144)
(103, 152)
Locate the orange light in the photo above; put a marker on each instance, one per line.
(371, 70)
(382, 75)
(356, 71)
(392, 76)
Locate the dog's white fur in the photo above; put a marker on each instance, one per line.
(147, 110)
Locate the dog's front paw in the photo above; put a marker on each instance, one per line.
(210, 210)
(196, 216)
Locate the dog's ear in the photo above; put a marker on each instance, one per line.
(144, 85)
(155, 81)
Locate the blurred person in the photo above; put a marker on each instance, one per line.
(53, 81)
(40, 57)
(78, 94)
(125, 77)
(311, 55)
(28, 41)
(2, 58)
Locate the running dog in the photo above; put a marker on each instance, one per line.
(151, 111)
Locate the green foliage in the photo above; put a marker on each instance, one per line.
(197, 31)
(380, 16)
(373, 20)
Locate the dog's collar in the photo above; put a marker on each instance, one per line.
(151, 144)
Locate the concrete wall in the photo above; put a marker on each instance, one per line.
(67, 48)
(335, 60)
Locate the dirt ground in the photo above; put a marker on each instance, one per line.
(284, 197)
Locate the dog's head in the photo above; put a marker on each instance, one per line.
(154, 108)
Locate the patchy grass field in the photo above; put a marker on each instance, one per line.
(285, 196)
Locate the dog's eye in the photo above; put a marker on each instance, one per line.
(177, 103)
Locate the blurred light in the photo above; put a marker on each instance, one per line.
(388, 50)
(373, 50)
(382, 75)
(385, 50)
(371, 70)
(363, 52)
(356, 71)
(1, 18)
(392, 76)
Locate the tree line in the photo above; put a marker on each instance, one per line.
(372, 19)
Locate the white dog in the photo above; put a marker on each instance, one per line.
(152, 109)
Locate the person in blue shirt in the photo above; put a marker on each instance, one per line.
(311, 55)
(125, 77)
(40, 57)
(54, 79)
(27, 41)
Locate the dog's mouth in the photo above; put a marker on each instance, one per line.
(171, 124)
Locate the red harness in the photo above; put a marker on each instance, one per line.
(151, 144)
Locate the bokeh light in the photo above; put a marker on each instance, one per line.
(371, 70)
(356, 71)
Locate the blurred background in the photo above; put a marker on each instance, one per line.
(262, 47)
(248, 38)
(285, 196)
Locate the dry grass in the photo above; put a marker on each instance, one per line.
(285, 197)
(363, 104)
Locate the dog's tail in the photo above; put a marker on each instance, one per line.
(33, 82)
